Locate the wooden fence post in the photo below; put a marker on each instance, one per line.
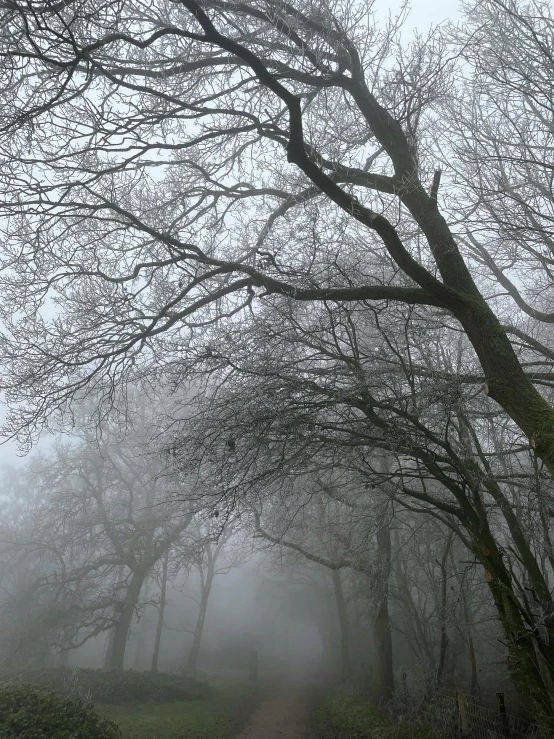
(503, 714)
(461, 706)
(404, 683)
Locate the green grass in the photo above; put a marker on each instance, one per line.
(220, 716)
(340, 715)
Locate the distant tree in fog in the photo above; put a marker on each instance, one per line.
(327, 526)
(105, 516)
(212, 555)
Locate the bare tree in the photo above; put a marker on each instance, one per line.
(316, 114)
(321, 403)
(250, 194)
(105, 516)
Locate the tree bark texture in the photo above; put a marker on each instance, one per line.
(123, 624)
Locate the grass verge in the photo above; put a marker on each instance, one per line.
(220, 716)
(337, 714)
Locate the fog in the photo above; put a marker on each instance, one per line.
(254, 608)
(276, 369)
(139, 546)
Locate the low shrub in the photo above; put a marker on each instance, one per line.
(119, 687)
(31, 712)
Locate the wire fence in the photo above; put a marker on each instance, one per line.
(457, 716)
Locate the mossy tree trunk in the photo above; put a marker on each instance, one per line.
(528, 651)
(443, 643)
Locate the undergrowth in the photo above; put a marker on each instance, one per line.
(119, 687)
(338, 714)
(30, 712)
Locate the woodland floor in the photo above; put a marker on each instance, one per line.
(220, 716)
(284, 715)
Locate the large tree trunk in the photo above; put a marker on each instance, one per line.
(384, 676)
(443, 644)
(523, 645)
(159, 627)
(505, 378)
(109, 649)
(528, 623)
(123, 624)
(344, 629)
(139, 651)
(474, 682)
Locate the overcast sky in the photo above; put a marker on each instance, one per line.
(423, 13)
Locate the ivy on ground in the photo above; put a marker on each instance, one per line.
(31, 712)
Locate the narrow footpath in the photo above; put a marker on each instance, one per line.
(282, 716)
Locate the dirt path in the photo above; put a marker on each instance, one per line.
(283, 716)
